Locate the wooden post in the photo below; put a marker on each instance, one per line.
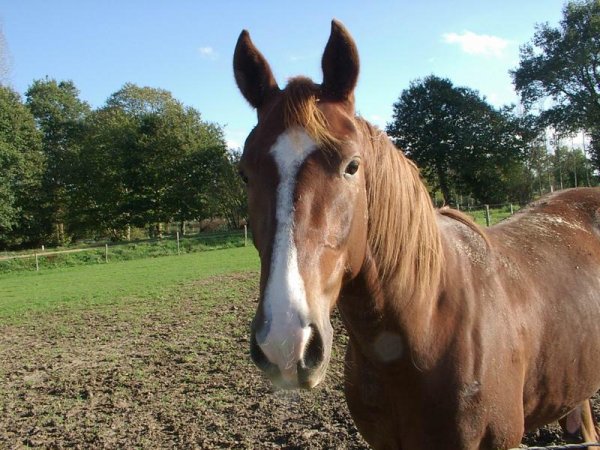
(37, 263)
(178, 252)
(587, 168)
(245, 235)
(487, 215)
(512, 211)
(106, 253)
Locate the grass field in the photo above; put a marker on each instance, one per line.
(82, 286)
(119, 251)
(496, 215)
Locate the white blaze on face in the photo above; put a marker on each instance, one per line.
(285, 307)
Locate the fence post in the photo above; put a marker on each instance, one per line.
(487, 215)
(245, 235)
(512, 211)
(106, 253)
(178, 252)
(37, 263)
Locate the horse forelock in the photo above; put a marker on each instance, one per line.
(300, 109)
(403, 233)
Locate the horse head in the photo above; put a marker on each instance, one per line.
(304, 170)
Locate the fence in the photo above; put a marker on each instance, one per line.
(583, 446)
(108, 249)
(488, 215)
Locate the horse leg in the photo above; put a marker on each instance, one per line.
(589, 430)
(571, 425)
(580, 421)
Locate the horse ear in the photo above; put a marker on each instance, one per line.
(252, 72)
(340, 63)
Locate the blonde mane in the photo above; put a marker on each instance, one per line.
(403, 232)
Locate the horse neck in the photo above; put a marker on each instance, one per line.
(402, 270)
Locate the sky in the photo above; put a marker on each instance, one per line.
(186, 47)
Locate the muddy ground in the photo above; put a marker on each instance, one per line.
(166, 373)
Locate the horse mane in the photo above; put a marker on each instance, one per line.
(300, 109)
(465, 220)
(403, 232)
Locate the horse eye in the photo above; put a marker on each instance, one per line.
(351, 168)
(243, 177)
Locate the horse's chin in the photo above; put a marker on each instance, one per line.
(299, 380)
(281, 384)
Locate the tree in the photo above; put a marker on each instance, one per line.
(539, 165)
(563, 64)
(60, 116)
(233, 199)
(149, 160)
(570, 167)
(21, 165)
(461, 143)
(102, 173)
(200, 191)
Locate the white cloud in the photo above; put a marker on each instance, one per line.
(477, 44)
(207, 52)
(378, 120)
(233, 144)
(235, 137)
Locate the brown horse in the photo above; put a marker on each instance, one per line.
(459, 338)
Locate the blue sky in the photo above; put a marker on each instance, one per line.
(186, 46)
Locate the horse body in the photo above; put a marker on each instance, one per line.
(484, 362)
(459, 338)
(555, 245)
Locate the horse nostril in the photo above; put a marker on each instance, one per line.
(260, 359)
(314, 352)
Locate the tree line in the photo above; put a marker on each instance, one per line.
(68, 171)
(467, 148)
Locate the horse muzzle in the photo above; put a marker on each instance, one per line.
(295, 359)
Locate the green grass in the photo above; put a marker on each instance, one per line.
(123, 251)
(496, 215)
(23, 293)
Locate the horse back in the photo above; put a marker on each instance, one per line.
(553, 244)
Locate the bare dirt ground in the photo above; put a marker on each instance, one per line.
(167, 373)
